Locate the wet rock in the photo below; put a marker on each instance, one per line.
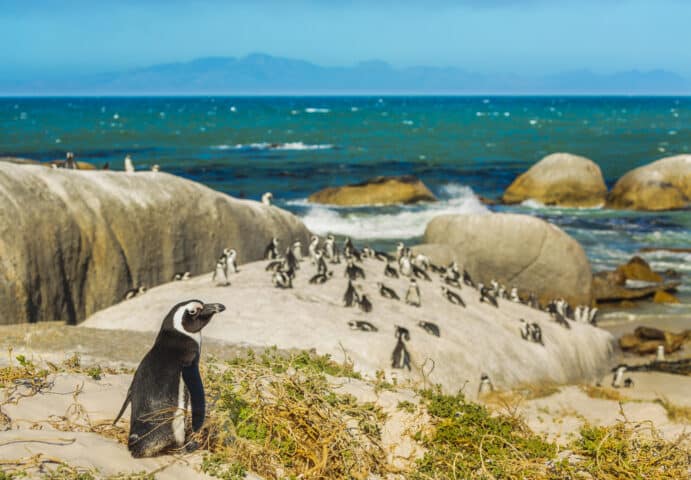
(560, 179)
(662, 185)
(376, 191)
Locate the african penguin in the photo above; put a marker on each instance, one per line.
(271, 250)
(351, 297)
(362, 325)
(387, 292)
(70, 162)
(267, 198)
(321, 277)
(364, 303)
(389, 271)
(429, 327)
(452, 296)
(129, 166)
(320, 262)
(412, 296)
(221, 273)
(628, 382)
(619, 371)
(282, 279)
(419, 272)
(400, 357)
(296, 248)
(134, 292)
(312, 249)
(485, 385)
(513, 296)
(353, 272)
(231, 260)
(155, 167)
(331, 249)
(166, 378)
(405, 267)
(487, 297)
(467, 280)
(179, 276)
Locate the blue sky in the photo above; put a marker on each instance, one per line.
(520, 36)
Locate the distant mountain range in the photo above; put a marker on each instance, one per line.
(266, 74)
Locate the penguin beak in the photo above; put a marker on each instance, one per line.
(211, 309)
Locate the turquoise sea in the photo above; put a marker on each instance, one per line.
(459, 146)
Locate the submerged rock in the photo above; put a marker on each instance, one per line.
(638, 269)
(74, 242)
(560, 179)
(662, 185)
(517, 250)
(376, 191)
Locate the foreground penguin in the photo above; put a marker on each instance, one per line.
(400, 357)
(167, 377)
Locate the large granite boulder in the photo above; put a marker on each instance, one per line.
(475, 339)
(517, 250)
(73, 242)
(376, 191)
(560, 179)
(662, 185)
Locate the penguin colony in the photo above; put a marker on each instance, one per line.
(325, 255)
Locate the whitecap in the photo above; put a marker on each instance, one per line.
(408, 222)
(317, 110)
(273, 146)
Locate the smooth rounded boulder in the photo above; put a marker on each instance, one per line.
(518, 251)
(73, 242)
(376, 191)
(560, 179)
(662, 185)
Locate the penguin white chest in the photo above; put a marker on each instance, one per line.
(179, 417)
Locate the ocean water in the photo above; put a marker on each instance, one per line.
(459, 146)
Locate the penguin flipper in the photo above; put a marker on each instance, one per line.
(127, 401)
(193, 382)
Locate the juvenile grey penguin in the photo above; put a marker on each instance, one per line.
(405, 267)
(167, 380)
(412, 296)
(220, 275)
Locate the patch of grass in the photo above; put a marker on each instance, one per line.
(24, 370)
(627, 450)
(277, 415)
(603, 393)
(676, 413)
(406, 406)
(467, 441)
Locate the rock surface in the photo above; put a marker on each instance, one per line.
(376, 191)
(517, 250)
(560, 179)
(638, 269)
(476, 339)
(73, 242)
(607, 290)
(662, 185)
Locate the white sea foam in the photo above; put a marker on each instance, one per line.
(408, 222)
(273, 146)
(317, 110)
